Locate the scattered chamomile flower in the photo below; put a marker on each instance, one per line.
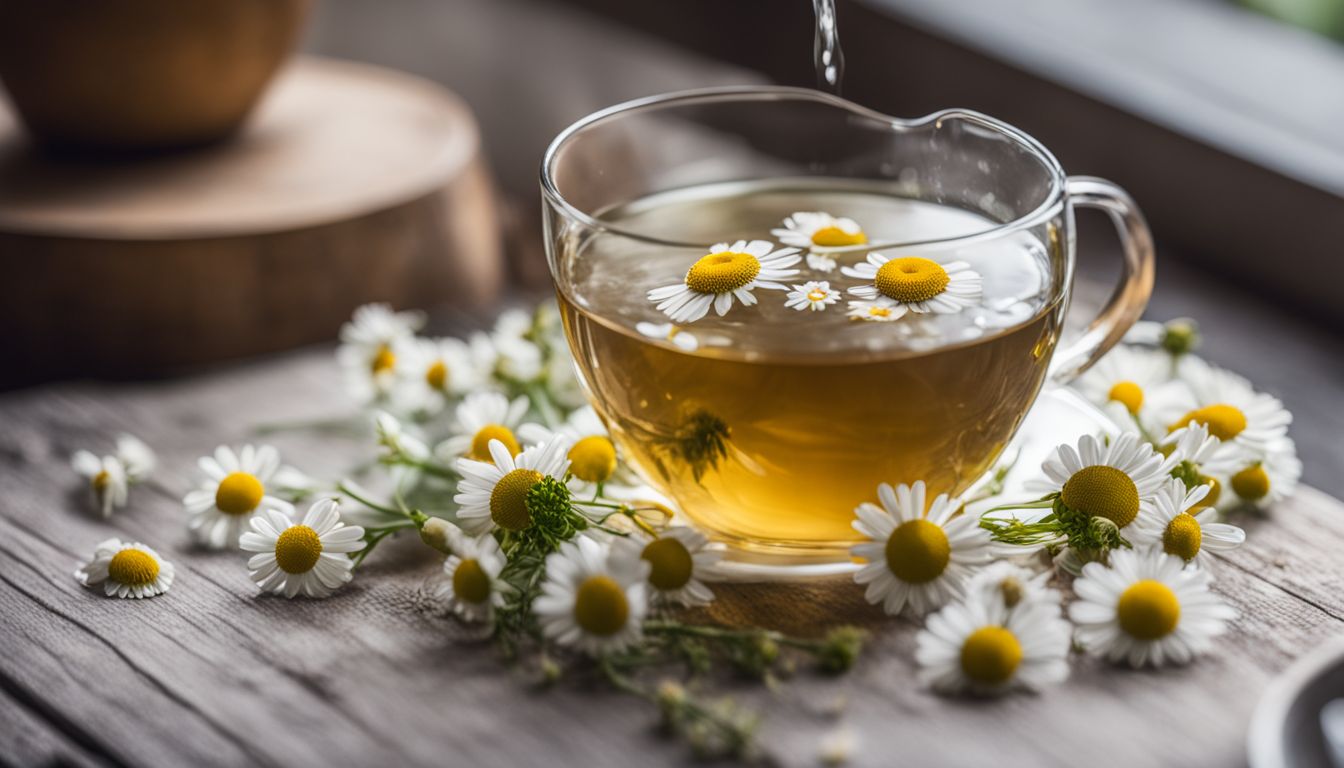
(593, 598)
(473, 588)
(915, 558)
(727, 272)
(680, 560)
(368, 351)
(1227, 404)
(108, 482)
(1013, 586)
(136, 458)
(981, 646)
(1146, 608)
(592, 457)
(812, 229)
(879, 310)
(1179, 524)
(126, 570)
(920, 285)
(1107, 481)
(494, 494)
(1268, 478)
(481, 418)
(236, 487)
(1123, 382)
(814, 295)
(396, 441)
(683, 339)
(1200, 459)
(435, 372)
(309, 557)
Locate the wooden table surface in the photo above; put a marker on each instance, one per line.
(214, 674)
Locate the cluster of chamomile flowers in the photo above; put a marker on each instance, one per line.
(889, 288)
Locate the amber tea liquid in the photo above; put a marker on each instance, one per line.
(779, 422)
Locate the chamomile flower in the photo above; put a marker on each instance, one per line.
(396, 440)
(1109, 481)
(811, 229)
(680, 337)
(435, 372)
(592, 455)
(680, 560)
(108, 482)
(814, 295)
(593, 598)
(980, 645)
(235, 488)
(1179, 524)
(1201, 459)
(879, 310)
(921, 285)
(126, 570)
(1013, 586)
(481, 418)
(368, 351)
(137, 459)
(1267, 477)
(1227, 404)
(1124, 381)
(309, 557)
(915, 558)
(1146, 608)
(473, 588)
(494, 494)
(729, 271)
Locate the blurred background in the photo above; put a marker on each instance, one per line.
(256, 228)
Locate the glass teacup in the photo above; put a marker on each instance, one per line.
(767, 390)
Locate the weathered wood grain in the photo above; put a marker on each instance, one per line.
(214, 674)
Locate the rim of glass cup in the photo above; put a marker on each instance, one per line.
(1041, 213)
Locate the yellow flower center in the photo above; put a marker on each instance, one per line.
(1182, 537)
(470, 582)
(239, 493)
(508, 501)
(835, 237)
(101, 480)
(816, 294)
(383, 360)
(1215, 490)
(437, 375)
(1012, 591)
(879, 311)
(1148, 610)
(480, 444)
(990, 655)
(1128, 394)
(593, 459)
(133, 568)
(911, 279)
(297, 549)
(1102, 491)
(600, 607)
(918, 551)
(1224, 421)
(1251, 483)
(722, 272)
(671, 563)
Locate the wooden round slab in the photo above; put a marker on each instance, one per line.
(350, 184)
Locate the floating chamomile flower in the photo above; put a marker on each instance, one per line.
(727, 272)
(1227, 404)
(1269, 477)
(814, 295)
(592, 456)
(980, 645)
(680, 560)
(1179, 524)
(494, 494)
(668, 332)
(1124, 381)
(1109, 481)
(914, 558)
(921, 285)
(593, 598)
(879, 310)
(126, 570)
(473, 588)
(811, 229)
(368, 351)
(481, 418)
(309, 557)
(435, 372)
(1146, 608)
(107, 478)
(234, 489)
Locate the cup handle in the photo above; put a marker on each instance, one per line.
(1136, 281)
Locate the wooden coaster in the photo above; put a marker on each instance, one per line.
(350, 184)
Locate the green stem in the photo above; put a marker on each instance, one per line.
(344, 488)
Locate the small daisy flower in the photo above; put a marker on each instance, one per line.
(592, 457)
(680, 560)
(234, 489)
(1111, 481)
(921, 285)
(814, 295)
(727, 272)
(1227, 404)
(473, 588)
(435, 372)
(126, 570)
(981, 646)
(108, 482)
(1180, 524)
(1201, 459)
(481, 418)
(812, 229)
(396, 440)
(680, 337)
(593, 598)
(368, 351)
(1124, 381)
(1013, 586)
(879, 310)
(916, 558)
(309, 558)
(1269, 477)
(493, 494)
(137, 459)
(1146, 608)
